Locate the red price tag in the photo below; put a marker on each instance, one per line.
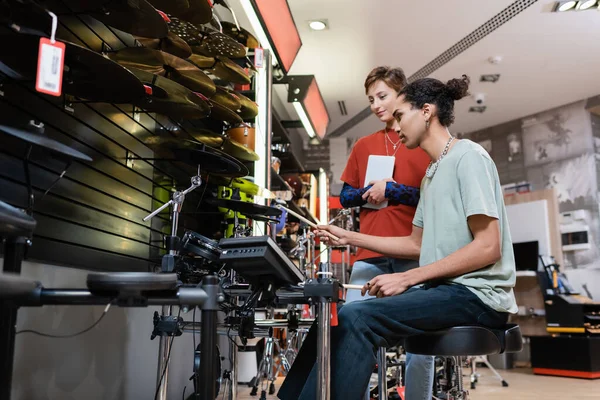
(51, 58)
(259, 57)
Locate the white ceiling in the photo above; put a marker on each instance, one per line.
(549, 59)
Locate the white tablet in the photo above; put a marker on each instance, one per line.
(378, 168)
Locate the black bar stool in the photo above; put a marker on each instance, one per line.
(16, 228)
(461, 341)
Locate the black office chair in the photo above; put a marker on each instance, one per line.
(456, 343)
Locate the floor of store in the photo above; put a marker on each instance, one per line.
(523, 385)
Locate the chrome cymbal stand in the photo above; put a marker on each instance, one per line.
(168, 265)
(345, 218)
(312, 250)
(231, 388)
(300, 251)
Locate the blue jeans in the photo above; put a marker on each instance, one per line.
(364, 326)
(419, 368)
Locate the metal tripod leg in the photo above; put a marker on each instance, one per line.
(265, 367)
(164, 348)
(232, 393)
(487, 363)
(383, 389)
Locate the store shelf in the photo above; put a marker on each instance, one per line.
(289, 162)
(280, 134)
(278, 183)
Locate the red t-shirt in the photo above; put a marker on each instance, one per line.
(409, 169)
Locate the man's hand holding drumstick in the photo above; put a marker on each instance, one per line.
(386, 284)
(333, 235)
(328, 235)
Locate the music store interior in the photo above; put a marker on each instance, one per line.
(209, 199)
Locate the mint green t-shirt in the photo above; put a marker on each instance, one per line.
(466, 183)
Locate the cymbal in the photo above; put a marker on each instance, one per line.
(191, 152)
(230, 71)
(135, 17)
(241, 35)
(87, 74)
(245, 186)
(167, 65)
(248, 109)
(222, 67)
(252, 188)
(170, 98)
(222, 113)
(202, 62)
(219, 44)
(245, 208)
(226, 99)
(225, 144)
(238, 150)
(210, 160)
(194, 11)
(207, 137)
(260, 218)
(206, 41)
(171, 44)
(39, 139)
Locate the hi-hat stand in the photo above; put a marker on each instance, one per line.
(209, 317)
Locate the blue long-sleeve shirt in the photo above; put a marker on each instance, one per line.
(396, 193)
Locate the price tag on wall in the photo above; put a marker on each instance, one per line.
(259, 57)
(51, 57)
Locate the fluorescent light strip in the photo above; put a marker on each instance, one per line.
(566, 5)
(260, 140)
(304, 119)
(258, 29)
(586, 4)
(323, 209)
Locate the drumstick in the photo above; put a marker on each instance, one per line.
(301, 218)
(350, 286)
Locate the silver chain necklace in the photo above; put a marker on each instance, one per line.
(395, 146)
(433, 166)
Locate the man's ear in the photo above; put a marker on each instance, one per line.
(427, 110)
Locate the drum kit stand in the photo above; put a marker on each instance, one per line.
(235, 290)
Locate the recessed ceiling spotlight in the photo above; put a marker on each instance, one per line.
(585, 4)
(318, 24)
(477, 109)
(489, 78)
(565, 5)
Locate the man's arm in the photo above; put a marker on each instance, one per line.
(479, 253)
(484, 250)
(408, 247)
